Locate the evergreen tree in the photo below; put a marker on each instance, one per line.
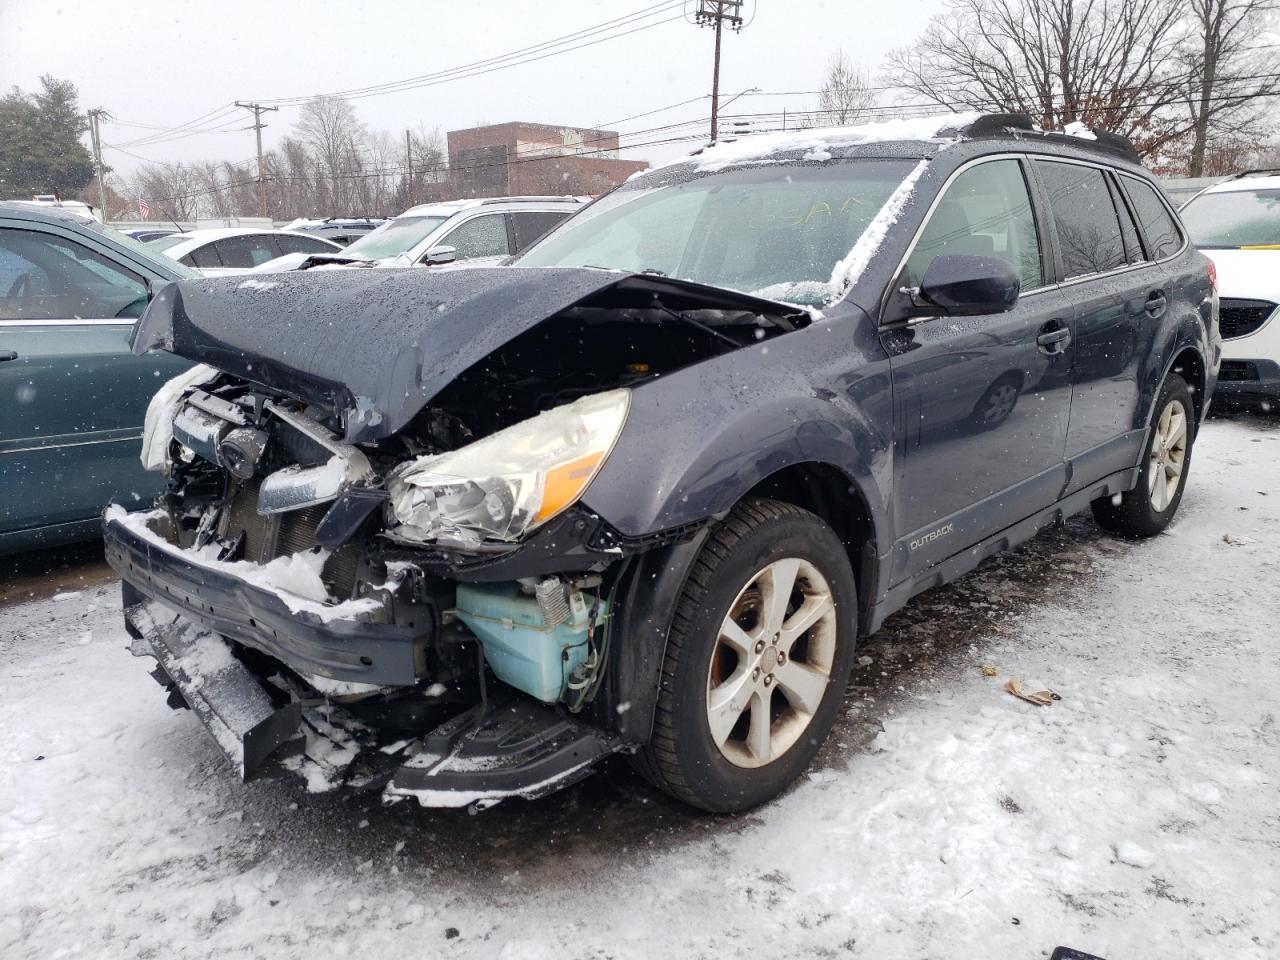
(40, 148)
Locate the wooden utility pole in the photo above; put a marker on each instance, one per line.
(715, 13)
(408, 165)
(95, 139)
(258, 110)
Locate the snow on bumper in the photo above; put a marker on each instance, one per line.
(228, 699)
(342, 643)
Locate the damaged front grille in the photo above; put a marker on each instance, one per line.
(283, 534)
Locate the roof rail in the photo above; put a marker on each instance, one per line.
(528, 199)
(1256, 172)
(1022, 125)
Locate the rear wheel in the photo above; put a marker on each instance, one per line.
(757, 659)
(1149, 507)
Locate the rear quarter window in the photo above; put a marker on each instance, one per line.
(1164, 238)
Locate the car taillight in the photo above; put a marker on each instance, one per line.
(1213, 276)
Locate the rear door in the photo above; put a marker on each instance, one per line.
(73, 395)
(1117, 295)
(528, 226)
(981, 403)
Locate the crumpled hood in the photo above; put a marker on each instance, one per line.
(379, 343)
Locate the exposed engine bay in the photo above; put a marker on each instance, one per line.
(387, 570)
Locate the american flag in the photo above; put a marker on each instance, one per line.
(144, 208)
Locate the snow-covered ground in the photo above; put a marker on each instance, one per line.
(1139, 816)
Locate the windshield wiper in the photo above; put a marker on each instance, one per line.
(684, 318)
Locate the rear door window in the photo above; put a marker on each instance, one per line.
(986, 212)
(484, 236)
(530, 225)
(1088, 228)
(249, 251)
(44, 276)
(1164, 239)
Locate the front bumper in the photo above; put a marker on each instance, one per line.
(506, 746)
(1249, 379)
(354, 649)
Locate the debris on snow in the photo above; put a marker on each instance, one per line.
(1041, 698)
(1237, 540)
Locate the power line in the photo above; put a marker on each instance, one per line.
(512, 58)
(184, 129)
(395, 169)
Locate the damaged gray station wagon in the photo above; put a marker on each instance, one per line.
(460, 535)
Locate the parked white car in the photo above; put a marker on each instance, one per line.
(478, 232)
(229, 250)
(1237, 225)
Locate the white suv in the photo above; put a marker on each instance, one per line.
(1237, 225)
(480, 231)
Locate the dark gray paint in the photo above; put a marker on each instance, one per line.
(376, 345)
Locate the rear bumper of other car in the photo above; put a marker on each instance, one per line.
(1249, 379)
(354, 649)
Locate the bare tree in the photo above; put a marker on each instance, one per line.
(330, 128)
(846, 95)
(1106, 63)
(1228, 74)
(172, 189)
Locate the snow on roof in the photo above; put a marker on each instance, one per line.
(819, 143)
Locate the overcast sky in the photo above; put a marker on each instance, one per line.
(167, 62)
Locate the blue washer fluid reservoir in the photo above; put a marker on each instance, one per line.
(519, 647)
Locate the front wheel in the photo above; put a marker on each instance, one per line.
(757, 659)
(1149, 507)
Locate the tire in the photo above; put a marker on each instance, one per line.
(715, 669)
(1149, 507)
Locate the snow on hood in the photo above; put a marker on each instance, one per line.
(818, 144)
(379, 344)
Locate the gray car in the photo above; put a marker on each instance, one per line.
(72, 395)
(642, 490)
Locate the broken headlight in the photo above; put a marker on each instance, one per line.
(507, 484)
(157, 430)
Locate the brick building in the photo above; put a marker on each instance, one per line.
(535, 159)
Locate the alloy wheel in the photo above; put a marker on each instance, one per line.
(1168, 455)
(771, 663)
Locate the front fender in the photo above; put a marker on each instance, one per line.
(698, 440)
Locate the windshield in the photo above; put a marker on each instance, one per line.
(1234, 218)
(395, 237)
(774, 231)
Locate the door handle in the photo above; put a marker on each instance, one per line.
(1155, 304)
(1054, 337)
(8, 355)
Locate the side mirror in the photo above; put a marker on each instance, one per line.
(439, 255)
(963, 285)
